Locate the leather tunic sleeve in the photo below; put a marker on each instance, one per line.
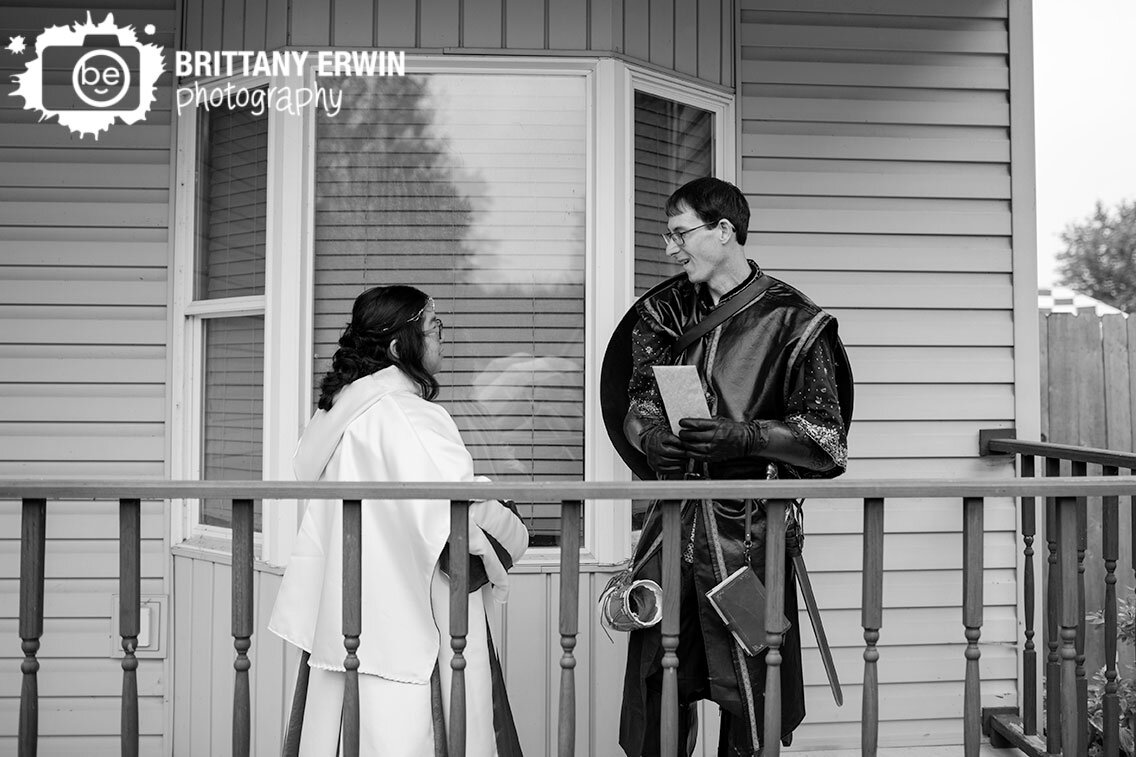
(813, 408)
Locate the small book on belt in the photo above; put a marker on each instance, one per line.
(740, 601)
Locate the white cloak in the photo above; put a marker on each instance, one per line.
(380, 429)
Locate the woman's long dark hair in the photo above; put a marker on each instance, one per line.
(379, 317)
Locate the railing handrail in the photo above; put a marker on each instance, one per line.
(552, 491)
(1092, 455)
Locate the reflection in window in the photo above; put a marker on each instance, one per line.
(232, 419)
(472, 188)
(674, 143)
(229, 260)
(232, 201)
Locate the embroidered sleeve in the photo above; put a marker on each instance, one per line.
(814, 405)
(648, 348)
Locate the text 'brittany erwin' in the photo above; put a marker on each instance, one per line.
(204, 63)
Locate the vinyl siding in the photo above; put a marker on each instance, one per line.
(84, 250)
(203, 669)
(692, 37)
(875, 152)
(203, 674)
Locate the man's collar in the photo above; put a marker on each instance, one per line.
(704, 290)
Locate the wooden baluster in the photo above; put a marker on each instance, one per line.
(1029, 651)
(569, 622)
(774, 611)
(972, 576)
(871, 618)
(242, 621)
(32, 549)
(459, 621)
(1110, 551)
(1132, 529)
(129, 610)
(672, 538)
(1081, 469)
(352, 620)
(1052, 620)
(1067, 554)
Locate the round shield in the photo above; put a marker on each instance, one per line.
(615, 374)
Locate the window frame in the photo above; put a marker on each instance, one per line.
(284, 279)
(610, 86)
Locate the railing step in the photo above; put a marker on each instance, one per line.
(1006, 730)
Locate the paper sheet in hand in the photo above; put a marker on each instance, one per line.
(681, 392)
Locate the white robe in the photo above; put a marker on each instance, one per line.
(380, 429)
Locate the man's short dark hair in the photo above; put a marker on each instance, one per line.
(712, 200)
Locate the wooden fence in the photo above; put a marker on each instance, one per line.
(1088, 399)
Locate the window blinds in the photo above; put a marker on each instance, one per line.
(229, 262)
(232, 426)
(472, 188)
(231, 182)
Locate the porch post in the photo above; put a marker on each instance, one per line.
(774, 612)
(32, 548)
(871, 618)
(459, 621)
(1067, 553)
(242, 620)
(1053, 723)
(972, 570)
(129, 609)
(1110, 551)
(668, 736)
(1029, 650)
(1079, 468)
(352, 620)
(569, 623)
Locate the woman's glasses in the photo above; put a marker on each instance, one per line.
(436, 329)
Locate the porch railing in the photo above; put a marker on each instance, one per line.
(1066, 494)
(1066, 728)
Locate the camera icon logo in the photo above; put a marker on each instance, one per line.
(90, 75)
(104, 75)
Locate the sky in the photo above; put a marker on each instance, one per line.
(1085, 106)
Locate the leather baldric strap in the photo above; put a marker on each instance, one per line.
(722, 313)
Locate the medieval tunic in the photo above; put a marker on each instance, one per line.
(380, 429)
(779, 358)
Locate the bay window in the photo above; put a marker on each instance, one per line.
(525, 196)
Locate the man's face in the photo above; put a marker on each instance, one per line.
(702, 252)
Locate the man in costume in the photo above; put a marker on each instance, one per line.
(779, 390)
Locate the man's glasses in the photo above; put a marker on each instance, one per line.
(679, 237)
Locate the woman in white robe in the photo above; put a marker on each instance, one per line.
(376, 423)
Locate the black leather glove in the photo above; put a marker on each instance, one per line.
(664, 450)
(715, 439)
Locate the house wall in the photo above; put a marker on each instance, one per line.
(84, 250)
(203, 674)
(203, 679)
(693, 37)
(875, 151)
